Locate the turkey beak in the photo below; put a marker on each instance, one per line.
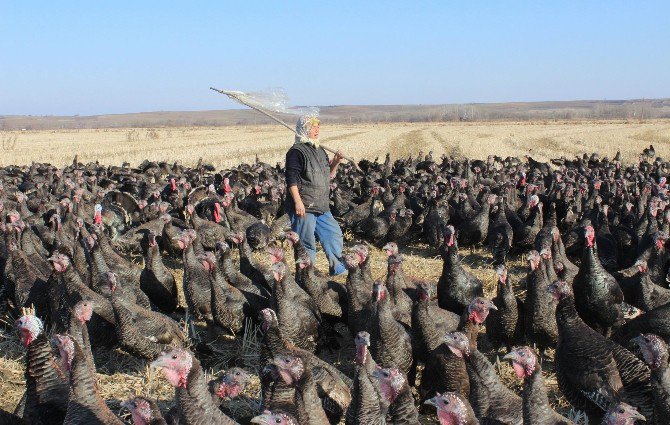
(262, 419)
(431, 401)
(639, 340)
(159, 362)
(638, 416)
(511, 356)
(128, 404)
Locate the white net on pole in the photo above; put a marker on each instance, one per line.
(272, 99)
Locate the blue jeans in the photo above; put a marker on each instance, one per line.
(325, 228)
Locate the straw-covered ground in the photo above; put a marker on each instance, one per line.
(228, 146)
(121, 375)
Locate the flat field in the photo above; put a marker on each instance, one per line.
(227, 146)
(120, 375)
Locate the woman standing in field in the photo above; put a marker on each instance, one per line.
(308, 175)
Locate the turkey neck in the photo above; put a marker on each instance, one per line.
(299, 250)
(536, 408)
(366, 270)
(196, 220)
(470, 328)
(535, 218)
(549, 269)
(657, 261)
(79, 333)
(356, 282)
(364, 359)
(287, 287)
(45, 380)
(287, 310)
(489, 397)
(308, 403)
(506, 292)
(98, 267)
(558, 252)
(660, 387)
(402, 409)
(451, 261)
(387, 338)
(366, 406)
(225, 263)
(424, 323)
(123, 317)
(83, 391)
(221, 295)
(395, 281)
(484, 212)
(271, 344)
(23, 209)
(591, 260)
(551, 220)
(109, 253)
(567, 318)
(195, 402)
(72, 279)
(154, 261)
(190, 258)
(310, 283)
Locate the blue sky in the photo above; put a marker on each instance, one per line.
(90, 57)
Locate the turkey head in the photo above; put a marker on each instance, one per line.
(423, 291)
(290, 236)
(560, 290)
(391, 249)
(654, 350)
(458, 343)
(279, 271)
(268, 318)
(176, 365)
(451, 408)
(208, 261)
(140, 410)
(391, 382)
(290, 368)
(479, 308)
(230, 384)
(362, 341)
(83, 310)
(59, 262)
(269, 418)
(622, 414)
(65, 346)
(29, 327)
(523, 361)
(276, 254)
(362, 252)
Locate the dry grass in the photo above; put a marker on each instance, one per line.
(228, 146)
(121, 375)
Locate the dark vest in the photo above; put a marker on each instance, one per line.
(314, 182)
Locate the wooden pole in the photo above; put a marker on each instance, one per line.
(277, 120)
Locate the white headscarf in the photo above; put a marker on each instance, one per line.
(302, 128)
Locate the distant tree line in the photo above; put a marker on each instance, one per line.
(537, 111)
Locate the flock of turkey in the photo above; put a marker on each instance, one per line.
(593, 231)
